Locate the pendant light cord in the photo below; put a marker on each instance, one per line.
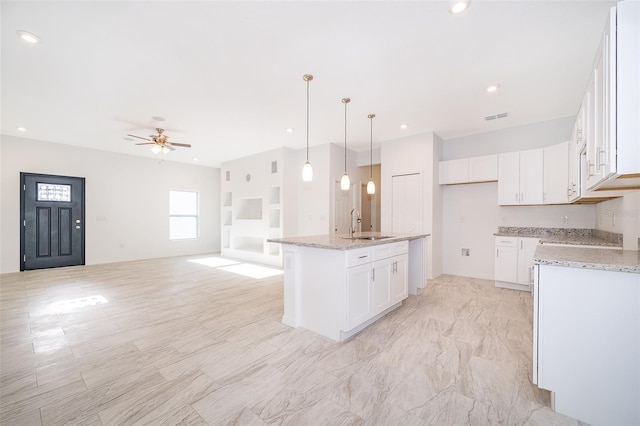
(307, 121)
(371, 151)
(345, 137)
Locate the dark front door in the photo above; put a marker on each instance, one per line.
(51, 221)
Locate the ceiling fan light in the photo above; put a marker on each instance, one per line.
(307, 172)
(156, 149)
(371, 187)
(458, 6)
(165, 150)
(345, 182)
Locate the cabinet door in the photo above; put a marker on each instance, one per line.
(399, 280)
(526, 250)
(573, 189)
(483, 169)
(531, 176)
(556, 174)
(506, 264)
(381, 283)
(358, 297)
(509, 178)
(454, 171)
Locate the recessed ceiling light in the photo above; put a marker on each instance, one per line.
(157, 118)
(28, 37)
(289, 129)
(195, 158)
(404, 126)
(458, 6)
(493, 88)
(21, 129)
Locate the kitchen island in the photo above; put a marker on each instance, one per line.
(336, 286)
(586, 332)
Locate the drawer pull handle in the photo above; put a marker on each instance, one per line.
(362, 257)
(504, 241)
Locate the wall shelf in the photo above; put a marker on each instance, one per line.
(250, 244)
(227, 199)
(249, 209)
(274, 195)
(274, 218)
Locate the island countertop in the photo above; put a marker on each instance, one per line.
(343, 242)
(589, 258)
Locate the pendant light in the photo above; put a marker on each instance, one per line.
(345, 183)
(371, 186)
(307, 170)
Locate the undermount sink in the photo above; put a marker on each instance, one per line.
(369, 237)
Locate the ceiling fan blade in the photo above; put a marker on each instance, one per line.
(186, 145)
(170, 147)
(146, 143)
(139, 137)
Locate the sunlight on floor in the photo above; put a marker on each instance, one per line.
(214, 262)
(80, 302)
(252, 271)
(244, 269)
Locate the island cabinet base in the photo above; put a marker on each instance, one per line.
(338, 293)
(586, 346)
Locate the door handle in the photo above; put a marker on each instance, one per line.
(77, 223)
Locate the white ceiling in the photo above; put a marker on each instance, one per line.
(227, 76)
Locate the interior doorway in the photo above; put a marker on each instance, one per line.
(52, 221)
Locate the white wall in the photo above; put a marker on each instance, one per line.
(622, 216)
(314, 198)
(415, 154)
(519, 138)
(471, 213)
(127, 200)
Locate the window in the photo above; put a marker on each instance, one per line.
(183, 215)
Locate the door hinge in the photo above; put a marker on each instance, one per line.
(24, 187)
(24, 257)
(24, 222)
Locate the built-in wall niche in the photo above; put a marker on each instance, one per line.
(249, 209)
(226, 199)
(251, 244)
(274, 218)
(226, 238)
(226, 218)
(274, 195)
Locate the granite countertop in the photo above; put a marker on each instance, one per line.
(589, 258)
(342, 242)
(577, 237)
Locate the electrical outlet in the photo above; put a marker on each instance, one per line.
(466, 252)
(565, 219)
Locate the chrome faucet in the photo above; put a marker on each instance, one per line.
(352, 229)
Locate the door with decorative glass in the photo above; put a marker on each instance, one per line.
(51, 222)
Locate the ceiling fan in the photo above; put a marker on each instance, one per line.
(160, 142)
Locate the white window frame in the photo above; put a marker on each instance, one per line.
(196, 215)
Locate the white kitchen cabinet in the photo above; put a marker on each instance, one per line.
(586, 342)
(381, 284)
(520, 177)
(358, 295)
(454, 171)
(469, 170)
(612, 150)
(399, 283)
(514, 262)
(556, 173)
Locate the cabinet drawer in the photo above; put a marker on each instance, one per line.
(359, 256)
(388, 250)
(507, 241)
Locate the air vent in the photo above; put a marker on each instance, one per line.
(496, 116)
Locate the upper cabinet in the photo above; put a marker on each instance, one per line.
(469, 170)
(556, 174)
(612, 148)
(520, 177)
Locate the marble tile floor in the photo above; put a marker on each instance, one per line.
(175, 342)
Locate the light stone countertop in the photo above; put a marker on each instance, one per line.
(342, 242)
(589, 258)
(577, 237)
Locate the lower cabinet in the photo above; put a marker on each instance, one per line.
(514, 262)
(374, 287)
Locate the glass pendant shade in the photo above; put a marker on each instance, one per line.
(156, 149)
(165, 150)
(371, 187)
(307, 172)
(345, 182)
